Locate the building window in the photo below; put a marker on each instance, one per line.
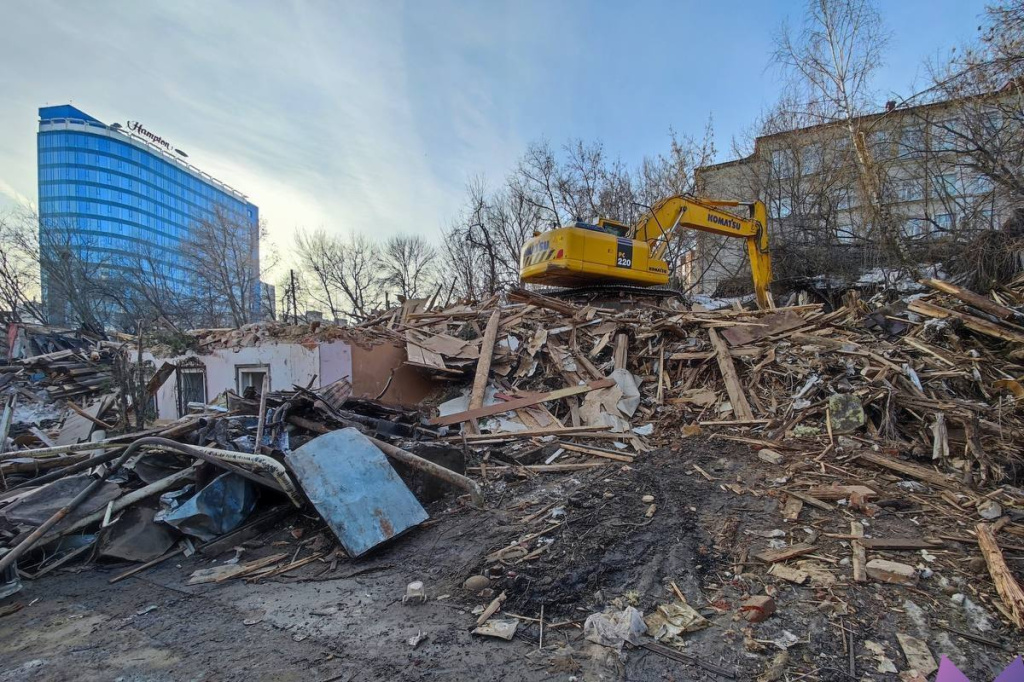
(810, 159)
(909, 190)
(945, 135)
(782, 163)
(914, 227)
(845, 200)
(947, 185)
(191, 387)
(845, 233)
(912, 141)
(784, 207)
(944, 221)
(980, 184)
(250, 376)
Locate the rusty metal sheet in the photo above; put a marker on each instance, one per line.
(355, 489)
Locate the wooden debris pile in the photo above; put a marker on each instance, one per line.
(62, 374)
(935, 377)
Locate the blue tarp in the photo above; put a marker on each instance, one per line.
(354, 488)
(218, 508)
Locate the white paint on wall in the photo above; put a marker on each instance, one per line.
(288, 364)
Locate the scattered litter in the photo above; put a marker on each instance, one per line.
(613, 629)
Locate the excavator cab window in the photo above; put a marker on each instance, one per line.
(613, 227)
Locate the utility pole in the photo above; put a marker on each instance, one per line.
(295, 304)
(140, 390)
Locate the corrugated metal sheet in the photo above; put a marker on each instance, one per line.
(355, 489)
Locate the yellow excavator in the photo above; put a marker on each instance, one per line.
(613, 253)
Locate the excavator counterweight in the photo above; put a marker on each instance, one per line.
(584, 254)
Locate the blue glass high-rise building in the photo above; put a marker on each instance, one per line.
(123, 190)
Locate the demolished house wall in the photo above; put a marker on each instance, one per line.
(375, 371)
(372, 375)
(288, 364)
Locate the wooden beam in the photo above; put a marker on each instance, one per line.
(621, 355)
(740, 406)
(595, 452)
(973, 323)
(564, 432)
(483, 367)
(545, 468)
(859, 555)
(900, 543)
(1006, 585)
(541, 301)
(158, 379)
(510, 405)
(770, 556)
(970, 298)
(913, 470)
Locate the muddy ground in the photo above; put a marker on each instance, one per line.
(351, 624)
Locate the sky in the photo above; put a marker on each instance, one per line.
(373, 116)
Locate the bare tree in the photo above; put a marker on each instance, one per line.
(970, 148)
(408, 265)
(831, 60)
(19, 269)
(222, 255)
(75, 272)
(342, 275)
(147, 288)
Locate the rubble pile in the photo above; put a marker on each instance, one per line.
(61, 374)
(864, 433)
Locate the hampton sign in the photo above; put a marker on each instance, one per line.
(137, 128)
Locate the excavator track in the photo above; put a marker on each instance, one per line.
(614, 289)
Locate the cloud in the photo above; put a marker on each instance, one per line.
(14, 196)
(312, 110)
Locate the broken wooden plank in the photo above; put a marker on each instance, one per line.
(740, 406)
(159, 378)
(813, 501)
(88, 415)
(595, 452)
(970, 298)
(483, 366)
(563, 432)
(1006, 585)
(544, 468)
(913, 470)
(900, 543)
(791, 510)
(767, 325)
(621, 354)
(859, 555)
(973, 323)
(771, 556)
(221, 573)
(517, 403)
(831, 493)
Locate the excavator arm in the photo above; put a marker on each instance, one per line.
(658, 225)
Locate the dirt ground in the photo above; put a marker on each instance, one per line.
(349, 624)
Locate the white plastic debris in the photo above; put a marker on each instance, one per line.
(415, 590)
(614, 629)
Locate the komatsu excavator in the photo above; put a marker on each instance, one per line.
(613, 253)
